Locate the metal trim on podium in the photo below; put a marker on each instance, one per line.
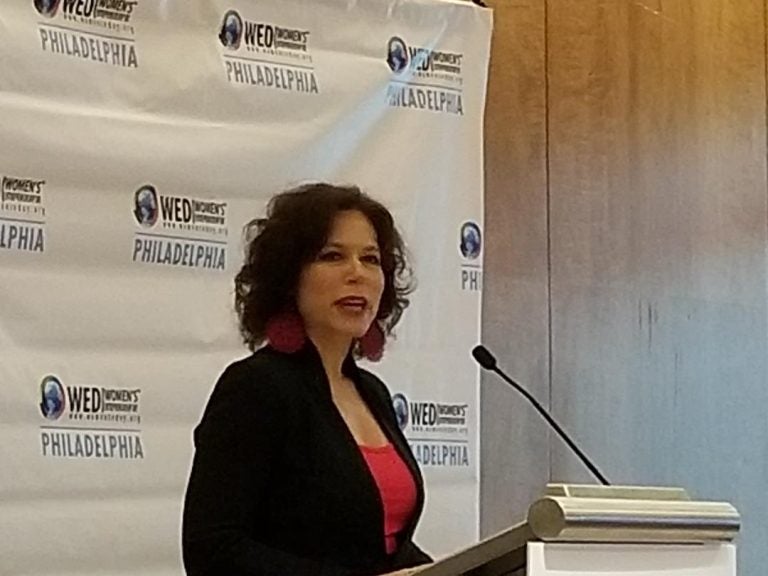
(570, 513)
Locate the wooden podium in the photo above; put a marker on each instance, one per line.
(582, 530)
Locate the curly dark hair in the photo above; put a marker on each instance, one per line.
(294, 231)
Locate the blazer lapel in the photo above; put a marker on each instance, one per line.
(384, 416)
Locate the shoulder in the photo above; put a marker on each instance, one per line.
(258, 391)
(263, 371)
(266, 376)
(263, 362)
(375, 385)
(378, 392)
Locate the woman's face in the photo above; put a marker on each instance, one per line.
(339, 292)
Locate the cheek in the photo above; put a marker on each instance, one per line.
(305, 294)
(322, 283)
(379, 285)
(314, 289)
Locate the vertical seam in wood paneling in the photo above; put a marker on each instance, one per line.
(549, 227)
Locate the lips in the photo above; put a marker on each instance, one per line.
(352, 302)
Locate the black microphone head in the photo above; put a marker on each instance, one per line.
(484, 357)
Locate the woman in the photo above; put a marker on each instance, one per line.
(300, 467)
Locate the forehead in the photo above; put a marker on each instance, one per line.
(352, 226)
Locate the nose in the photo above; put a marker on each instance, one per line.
(355, 273)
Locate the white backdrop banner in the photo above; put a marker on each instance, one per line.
(137, 138)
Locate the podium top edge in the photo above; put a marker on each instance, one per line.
(617, 492)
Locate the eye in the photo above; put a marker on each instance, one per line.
(329, 256)
(372, 259)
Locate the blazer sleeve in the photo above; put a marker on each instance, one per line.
(235, 446)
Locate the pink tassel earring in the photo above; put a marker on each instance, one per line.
(285, 332)
(372, 343)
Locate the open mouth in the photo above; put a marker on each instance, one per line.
(352, 303)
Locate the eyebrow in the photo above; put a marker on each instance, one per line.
(369, 248)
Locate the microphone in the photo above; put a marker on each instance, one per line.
(483, 356)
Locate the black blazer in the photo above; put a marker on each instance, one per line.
(278, 484)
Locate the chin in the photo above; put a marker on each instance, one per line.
(356, 334)
(356, 330)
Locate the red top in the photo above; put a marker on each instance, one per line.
(397, 489)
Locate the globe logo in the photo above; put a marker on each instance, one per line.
(231, 30)
(52, 396)
(397, 55)
(400, 404)
(471, 240)
(47, 8)
(145, 207)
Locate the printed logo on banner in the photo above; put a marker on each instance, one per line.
(397, 55)
(54, 400)
(438, 432)
(470, 247)
(89, 421)
(22, 214)
(425, 79)
(179, 231)
(47, 8)
(400, 404)
(231, 30)
(266, 55)
(146, 206)
(99, 31)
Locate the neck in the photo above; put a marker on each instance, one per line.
(333, 351)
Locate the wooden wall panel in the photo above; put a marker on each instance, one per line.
(514, 442)
(657, 175)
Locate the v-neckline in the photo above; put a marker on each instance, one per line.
(351, 371)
